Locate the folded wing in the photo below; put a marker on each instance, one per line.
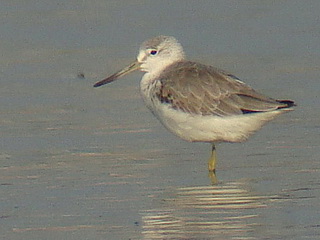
(199, 89)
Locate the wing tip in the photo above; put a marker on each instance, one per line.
(286, 104)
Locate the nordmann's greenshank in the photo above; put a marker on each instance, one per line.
(196, 102)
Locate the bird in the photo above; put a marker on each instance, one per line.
(197, 102)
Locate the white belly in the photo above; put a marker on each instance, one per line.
(196, 128)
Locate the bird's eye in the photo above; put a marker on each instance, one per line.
(153, 52)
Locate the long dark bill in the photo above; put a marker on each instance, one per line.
(132, 67)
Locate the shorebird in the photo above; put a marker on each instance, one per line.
(196, 102)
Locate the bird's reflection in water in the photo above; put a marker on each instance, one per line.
(220, 212)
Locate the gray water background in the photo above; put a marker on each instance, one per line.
(84, 163)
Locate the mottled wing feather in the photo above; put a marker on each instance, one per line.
(199, 89)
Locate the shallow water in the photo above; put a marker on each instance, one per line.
(85, 163)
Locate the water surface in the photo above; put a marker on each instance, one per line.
(85, 163)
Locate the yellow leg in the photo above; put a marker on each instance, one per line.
(212, 166)
(212, 160)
